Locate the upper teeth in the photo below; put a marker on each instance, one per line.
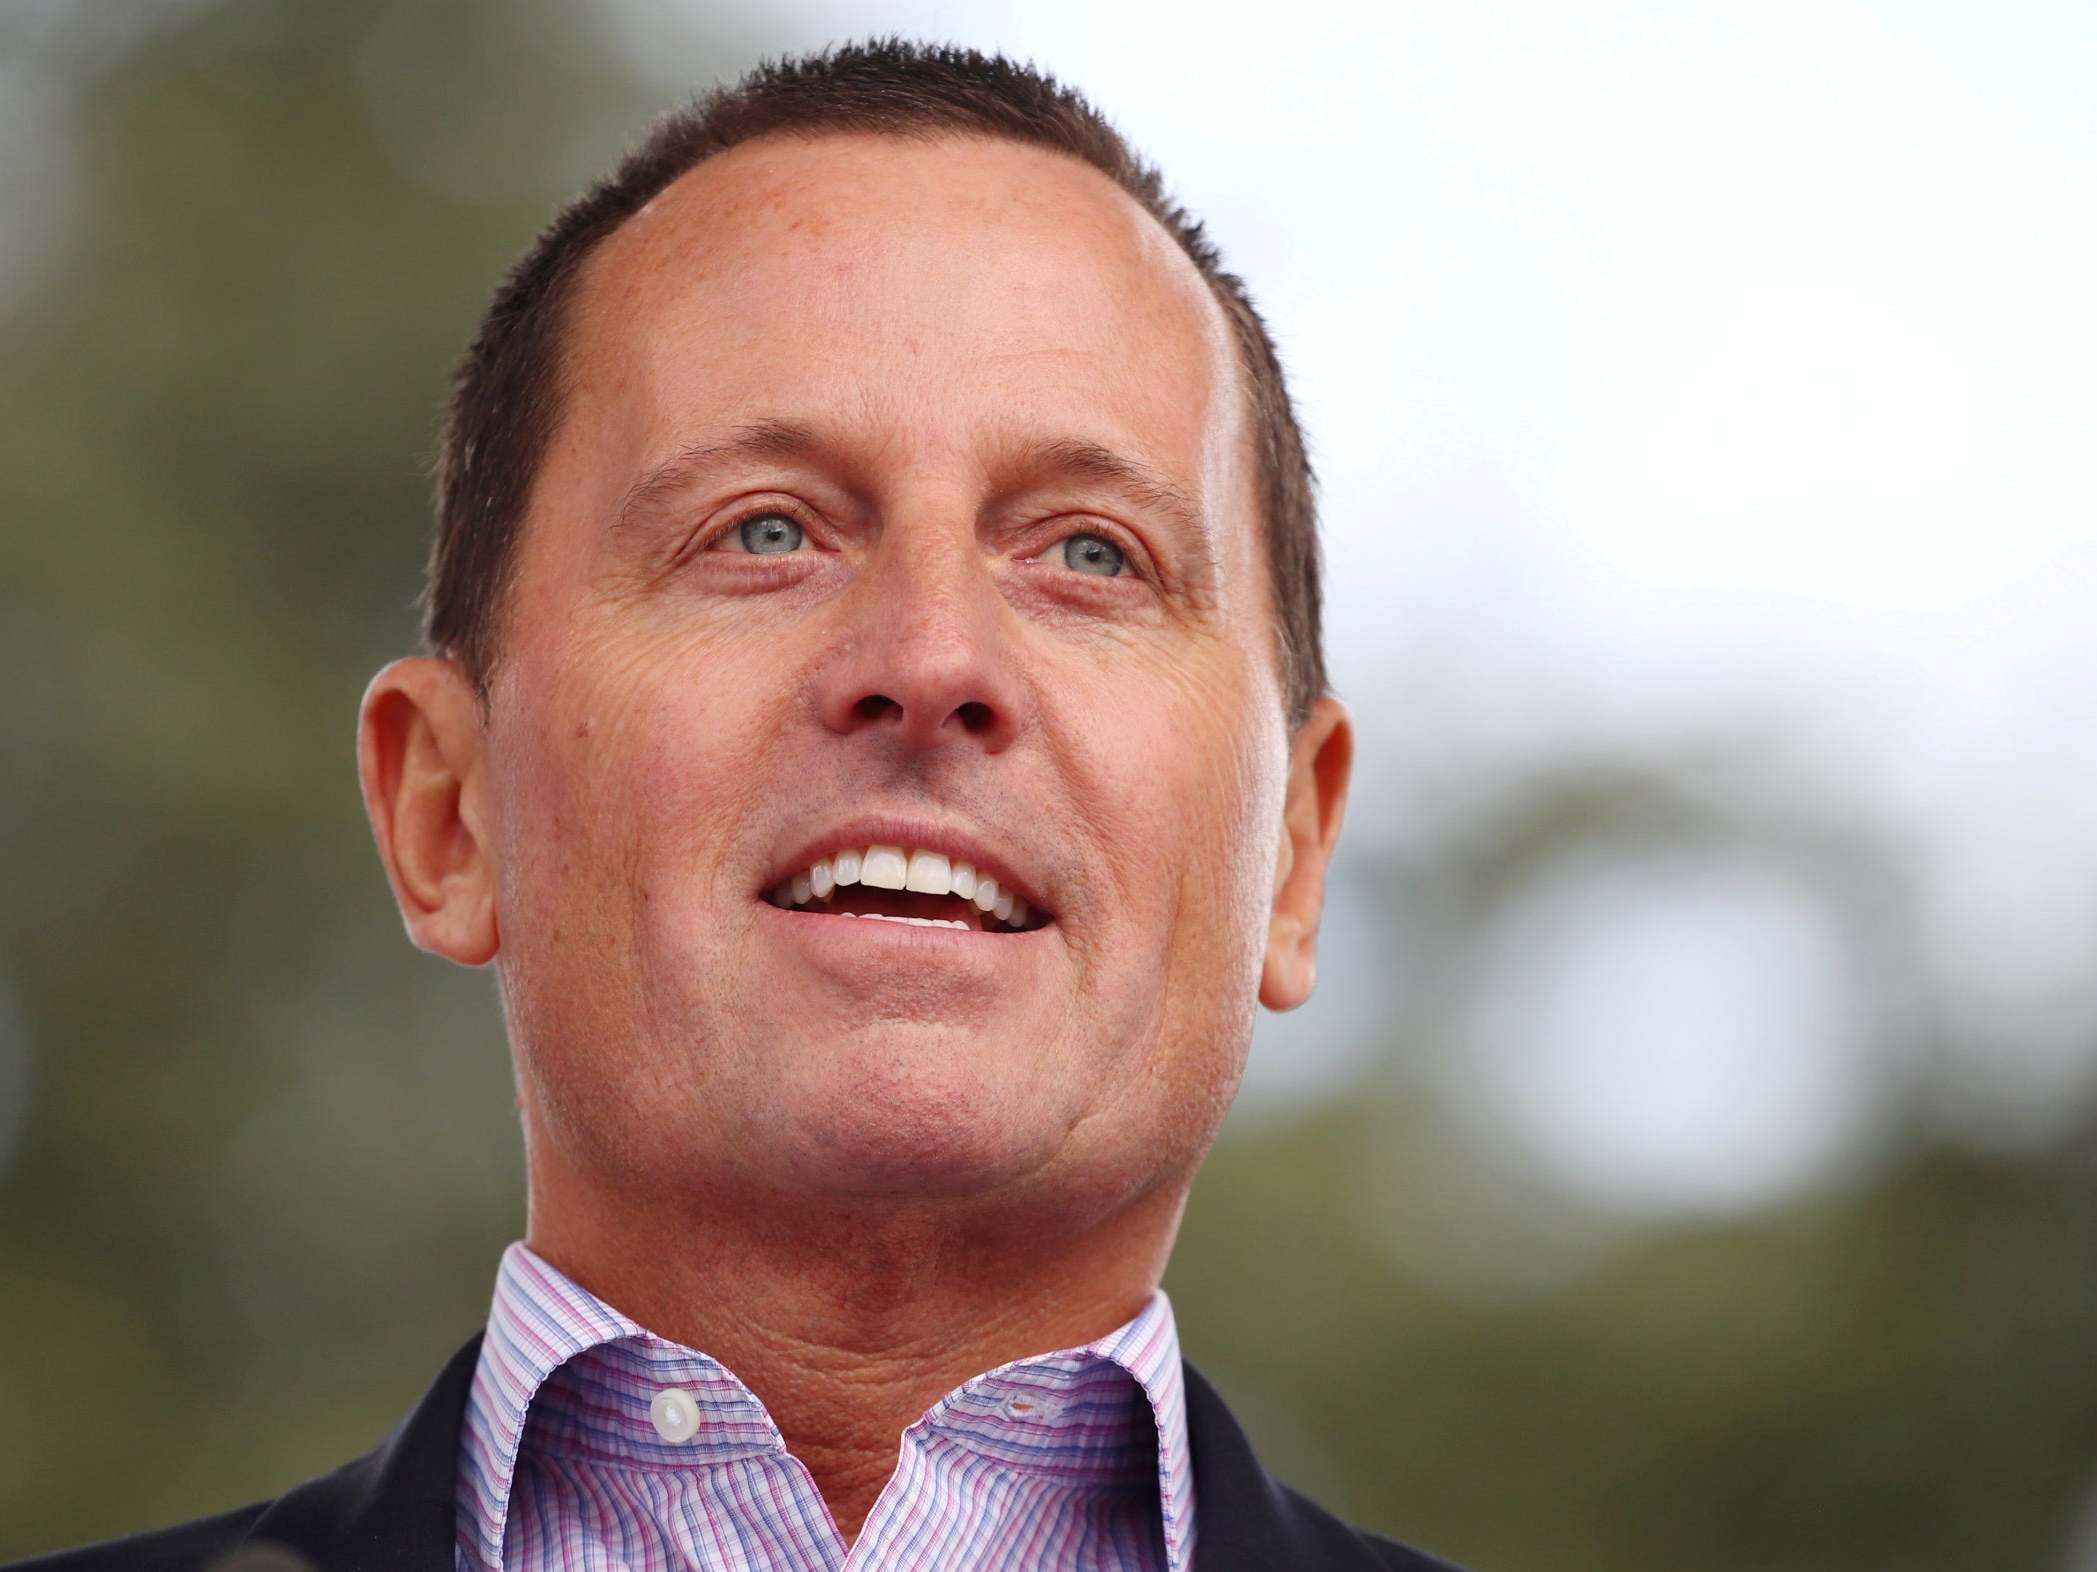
(893, 868)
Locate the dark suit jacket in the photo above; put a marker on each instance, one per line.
(391, 1510)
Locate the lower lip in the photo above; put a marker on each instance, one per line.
(906, 938)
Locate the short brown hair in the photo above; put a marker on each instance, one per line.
(505, 399)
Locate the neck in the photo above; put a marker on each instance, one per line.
(849, 1320)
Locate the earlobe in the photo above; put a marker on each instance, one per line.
(1321, 761)
(419, 752)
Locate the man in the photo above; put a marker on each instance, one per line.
(876, 727)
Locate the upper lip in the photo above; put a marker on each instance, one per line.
(955, 841)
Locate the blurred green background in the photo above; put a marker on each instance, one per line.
(258, 1157)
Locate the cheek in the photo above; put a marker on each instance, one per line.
(626, 784)
(1235, 806)
(1196, 804)
(1193, 765)
(620, 807)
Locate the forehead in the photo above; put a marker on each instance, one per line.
(935, 293)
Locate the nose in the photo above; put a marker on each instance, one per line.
(925, 655)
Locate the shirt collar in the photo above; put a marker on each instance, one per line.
(1064, 1412)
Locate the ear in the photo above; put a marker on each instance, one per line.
(1321, 758)
(419, 754)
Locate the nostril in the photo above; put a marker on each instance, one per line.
(975, 716)
(874, 706)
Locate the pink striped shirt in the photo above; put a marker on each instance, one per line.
(1074, 1461)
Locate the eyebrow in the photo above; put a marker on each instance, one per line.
(758, 439)
(1143, 485)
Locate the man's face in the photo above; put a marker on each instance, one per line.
(902, 497)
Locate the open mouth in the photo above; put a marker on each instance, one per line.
(924, 889)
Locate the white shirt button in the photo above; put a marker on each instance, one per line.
(676, 1414)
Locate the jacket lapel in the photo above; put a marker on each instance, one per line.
(1247, 1521)
(394, 1509)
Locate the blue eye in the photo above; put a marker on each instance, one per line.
(767, 534)
(1091, 554)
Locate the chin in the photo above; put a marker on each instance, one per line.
(901, 1121)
